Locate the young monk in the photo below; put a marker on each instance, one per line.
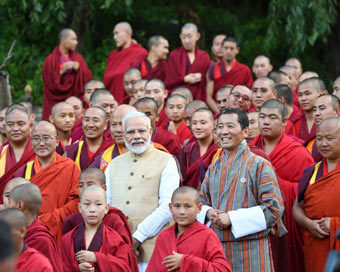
(184, 92)
(175, 107)
(139, 89)
(188, 245)
(27, 198)
(92, 246)
(8, 188)
(27, 259)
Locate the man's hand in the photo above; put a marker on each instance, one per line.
(222, 220)
(314, 228)
(325, 224)
(135, 245)
(171, 127)
(75, 65)
(86, 256)
(66, 65)
(86, 267)
(173, 262)
(193, 78)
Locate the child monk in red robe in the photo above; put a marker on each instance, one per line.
(92, 244)
(188, 245)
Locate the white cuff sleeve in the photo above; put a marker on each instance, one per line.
(247, 221)
(202, 215)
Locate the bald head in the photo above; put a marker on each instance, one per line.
(190, 26)
(307, 74)
(333, 122)
(29, 194)
(122, 110)
(295, 62)
(125, 26)
(93, 188)
(45, 126)
(9, 187)
(61, 107)
(116, 123)
(262, 66)
(184, 92)
(95, 173)
(122, 35)
(191, 108)
(64, 33)
(186, 190)
(15, 218)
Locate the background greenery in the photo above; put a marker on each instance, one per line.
(307, 29)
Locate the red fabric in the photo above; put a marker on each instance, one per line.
(189, 159)
(183, 132)
(290, 129)
(201, 249)
(32, 260)
(289, 159)
(301, 129)
(156, 72)
(163, 119)
(12, 166)
(39, 238)
(322, 199)
(77, 131)
(57, 88)
(296, 97)
(239, 74)
(113, 255)
(118, 62)
(166, 138)
(176, 70)
(296, 114)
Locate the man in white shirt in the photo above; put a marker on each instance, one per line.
(140, 183)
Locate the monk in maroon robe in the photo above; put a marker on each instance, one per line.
(27, 259)
(120, 60)
(153, 65)
(92, 243)
(289, 158)
(193, 153)
(187, 65)
(18, 151)
(195, 246)
(292, 74)
(27, 197)
(65, 72)
(226, 71)
(316, 207)
(93, 143)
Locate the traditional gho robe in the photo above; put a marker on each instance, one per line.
(9, 165)
(39, 237)
(182, 132)
(301, 129)
(58, 184)
(32, 260)
(82, 156)
(190, 159)
(111, 251)
(118, 62)
(146, 70)
(179, 66)
(163, 119)
(320, 191)
(238, 74)
(201, 249)
(167, 139)
(289, 158)
(57, 88)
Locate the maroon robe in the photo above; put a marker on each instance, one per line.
(57, 88)
(77, 131)
(32, 260)
(296, 114)
(118, 62)
(12, 166)
(146, 70)
(111, 251)
(238, 74)
(289, 158)
(301, 129)
(39, 237)
(296, 97)
(201, 249)
(179, 66)
(167, 139)
(182, 132)
(190, 159)
(290, 129)
(163, 119)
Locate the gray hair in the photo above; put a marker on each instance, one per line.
(135, 114)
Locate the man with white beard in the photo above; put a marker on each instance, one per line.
(140, 183)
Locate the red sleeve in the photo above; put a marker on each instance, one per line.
(67, 254)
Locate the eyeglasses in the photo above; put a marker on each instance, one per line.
(46, 139)
(245, 98)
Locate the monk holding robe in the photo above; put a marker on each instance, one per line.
(289, 157)
(193, 153)
(153, 65)
(317, 205)
(65, 72)
(85, 151)
(120, 60)
(27, 258)
(188, 245)
(175, 106)
(27, 198)
(187, 65)
(93, 246)
(56, 176)
(19, 150)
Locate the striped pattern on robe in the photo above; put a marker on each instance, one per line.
(223, 189)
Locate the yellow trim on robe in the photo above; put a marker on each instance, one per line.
(217, 155)
(28, 172)
(310, 145)
(77, 161)
(313, 178)
(3, 160)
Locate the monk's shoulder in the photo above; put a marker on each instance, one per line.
(203, 54)
(33, 259)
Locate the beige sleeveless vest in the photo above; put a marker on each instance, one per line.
(135, 181)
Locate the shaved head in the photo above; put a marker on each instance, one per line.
(316, 82)
(14, 217)
(295, 62)
(307, 74)
(96, 95)
(59, 107)
(44, 125)
(71, 100)
(186, 190)
(190, 26)
(98, 110)
(15, 182)
(93, 188)
(195, 105)
(333, 122)
(125, 26)
(211, 115)
(29, 194)
(64, 33)
(132, 71)
(122, 110)
(275, 104)
(184, 92)
(94, 173)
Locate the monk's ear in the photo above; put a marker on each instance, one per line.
(166, 93)
(245, 132)
(21, 205)
(275, 93)
(104, 187)
(170, 206)
(79, 207)
(22, 231)
(32, 117)
(51, 119)
(107, 208)
(57, 140)
(284, 121)
(270, 67)
(200, 205)
(198, 36)
(90, 104)
(282, 99)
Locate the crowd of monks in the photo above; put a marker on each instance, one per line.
(52, 170)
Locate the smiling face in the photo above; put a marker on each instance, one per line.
(202, 125)
(106, 102)
(240, 98)
(44, 140)
(94, 123)
(328, 139)
(18, 126)
(323, 109)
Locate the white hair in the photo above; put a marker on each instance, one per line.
(135, 114)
